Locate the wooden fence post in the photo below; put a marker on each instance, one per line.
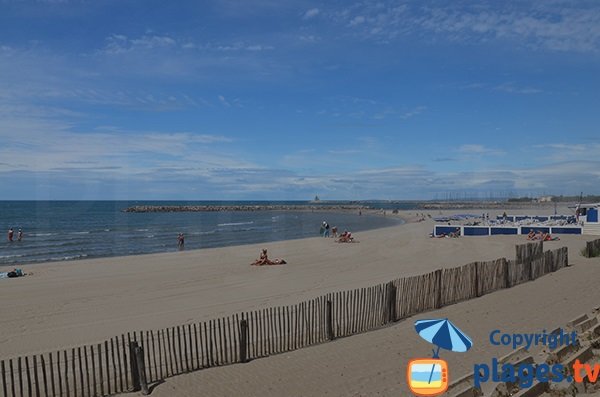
(477, 290)
(392, 290)
(507, 273)
(141, 367)
(133, 366)
(438, 287)
(329, 321)
(244, 341)
(4, 388)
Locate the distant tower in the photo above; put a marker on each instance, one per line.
(317, 198)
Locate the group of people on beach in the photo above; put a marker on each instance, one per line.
(13, 273)
(328, 231)
(11, 235)
(537, 235)
(454, 234)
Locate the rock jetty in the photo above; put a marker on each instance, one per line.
(247, 208)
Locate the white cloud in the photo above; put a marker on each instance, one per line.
(313, 12)
(512, 89)
(258, 47)
(119, 44)
(507, 87)
(557, 26)
(476, 149)
(224, 101)
(357, 20)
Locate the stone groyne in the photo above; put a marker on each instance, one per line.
(227, 208)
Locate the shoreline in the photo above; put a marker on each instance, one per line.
(399, 220)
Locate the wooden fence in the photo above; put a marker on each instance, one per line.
(592, 248)
(132, 361)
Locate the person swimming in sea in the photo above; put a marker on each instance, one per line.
(180, 241)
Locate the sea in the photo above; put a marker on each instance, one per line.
(71, 230)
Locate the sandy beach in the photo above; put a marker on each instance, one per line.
(71, 303)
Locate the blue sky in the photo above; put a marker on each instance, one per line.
(267, 99)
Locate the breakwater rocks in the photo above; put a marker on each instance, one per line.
(227, 208)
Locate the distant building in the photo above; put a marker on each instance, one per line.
(545, 199)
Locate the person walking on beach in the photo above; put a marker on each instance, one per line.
(10, 235)
(20, 235)
(326, 234)
(180, 241)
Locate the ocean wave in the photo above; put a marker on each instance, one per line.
(87, 232)
(244, 229)
(41, 234)
(69, 258)
(203, 233)
(236, 223)
(141, 230)
(10, 256)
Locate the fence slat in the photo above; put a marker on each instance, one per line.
(87, 371)
(81, 383)
(93, 361)
(52, 384)
(199, 351)
(28, 376)
(12, 378)
(100, 376)
(36, 379)
(4, 385)
(222, 350)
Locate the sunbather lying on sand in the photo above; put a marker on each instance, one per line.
(346, 237)
(548, 237)
(456, 233)
(264, 260)
(12, 274)
(535, 235)
(441, 235)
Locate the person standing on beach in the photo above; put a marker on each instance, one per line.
(180, 241)
(10, 235)
(322, 229)
(20, 235)
(326, 230)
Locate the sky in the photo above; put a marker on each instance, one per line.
(285, 100)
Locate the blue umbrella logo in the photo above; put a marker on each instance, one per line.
(443, 334)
